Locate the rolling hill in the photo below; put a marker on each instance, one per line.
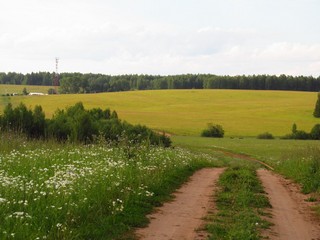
(187, 112)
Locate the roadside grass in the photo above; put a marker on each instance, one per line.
(303, 166)
(63, 191)
(187, 112)
(241, 203)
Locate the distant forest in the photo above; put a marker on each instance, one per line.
(94, 83)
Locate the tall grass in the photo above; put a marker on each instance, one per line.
(53, 191)
(302, 165)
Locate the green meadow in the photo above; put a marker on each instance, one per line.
(262, 149)
(187, 112)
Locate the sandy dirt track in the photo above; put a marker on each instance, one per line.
(179, 219)
(291, 214)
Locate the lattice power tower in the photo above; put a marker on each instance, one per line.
(56, 77)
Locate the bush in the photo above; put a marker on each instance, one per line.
(301, 135)
(298, 135)
(213, 131)
(265, 135)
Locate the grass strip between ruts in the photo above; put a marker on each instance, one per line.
(240, 203)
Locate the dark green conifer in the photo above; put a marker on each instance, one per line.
(316, 112)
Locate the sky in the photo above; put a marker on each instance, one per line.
(161, 37)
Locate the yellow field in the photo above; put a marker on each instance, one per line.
(187, 112)
(10, 89)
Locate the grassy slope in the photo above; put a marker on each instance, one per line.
(9, 89)
(186, 112)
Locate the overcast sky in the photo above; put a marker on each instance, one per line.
(161, 36)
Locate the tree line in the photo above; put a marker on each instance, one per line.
(76, 124)
(94, 83)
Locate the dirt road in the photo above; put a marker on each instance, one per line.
(291, 214)
(179, 219)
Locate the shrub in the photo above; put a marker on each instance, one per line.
(301, 135)
(265, 135)
(297, 134)
(213, 131)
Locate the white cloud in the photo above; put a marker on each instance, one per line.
(110, 37)
(286, 51)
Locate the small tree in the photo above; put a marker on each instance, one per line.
(294, 128)
(213, 131)
(316, 112)
(39, 123)
(24, 91)
(315, 132)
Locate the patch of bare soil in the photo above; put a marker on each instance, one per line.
(180, 218)
(164, 133)
(291, 214)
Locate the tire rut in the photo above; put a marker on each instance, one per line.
(291, 214)
(180, 218)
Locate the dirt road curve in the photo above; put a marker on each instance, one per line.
(291, 214)
(178, 220)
